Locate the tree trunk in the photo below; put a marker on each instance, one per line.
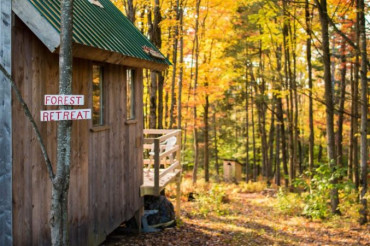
(277, 156)
(328, 100)
(174, 65)
(364, 111)
(271, 143)
(60, 187)
(196, 145)
(310, 86)
(253, 140)
(289, 99)
(351, 134)
(247, 169)
(157, 78)
(319, 155)
(147, 97)
(160, 100)
(294, 98)
(280, 118)
(206, 141)
(130, 10)
(216, 146)
(261, 113)
(354, 125)
(153, 100)
(179, 106)
(341, 106)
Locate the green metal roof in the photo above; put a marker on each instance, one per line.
(104, 28)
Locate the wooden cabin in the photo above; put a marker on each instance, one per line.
(232, 170)
(107, 151)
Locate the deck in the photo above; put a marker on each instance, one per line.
(162, 155)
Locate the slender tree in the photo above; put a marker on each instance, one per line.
(322, 6)
(364, 111)
(310, 87)
(216, 145)
(255, 170)
(277, 156)
(174, 64)
(341, 105)
(181, 68)
(60, 187)
(195, 130)
(247, 168)
(130, 10)
(280, 117)
(157, 78)
(206, 138)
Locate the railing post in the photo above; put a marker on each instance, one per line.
(178, 181)
(156, 166)
(178, 152)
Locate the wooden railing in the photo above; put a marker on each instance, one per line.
(163, 152)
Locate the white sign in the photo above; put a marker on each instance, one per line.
(73, 114)
(64, 100)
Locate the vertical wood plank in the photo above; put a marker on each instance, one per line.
(106, 169)
(139, 131)
(6, 223)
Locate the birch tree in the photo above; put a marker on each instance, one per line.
(60, 187)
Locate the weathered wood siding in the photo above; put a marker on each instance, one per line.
(5, 126)
(106, 168)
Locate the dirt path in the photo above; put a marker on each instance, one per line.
(252, 220)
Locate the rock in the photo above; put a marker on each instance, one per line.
(166, 211)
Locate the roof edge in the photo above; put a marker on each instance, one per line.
(37, 24)
(100, 55)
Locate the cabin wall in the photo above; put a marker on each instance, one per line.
(106, 164)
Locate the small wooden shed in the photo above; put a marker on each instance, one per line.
(232, 170)
(106, 160)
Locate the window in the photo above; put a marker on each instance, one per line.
(130, 94)
(97, 96)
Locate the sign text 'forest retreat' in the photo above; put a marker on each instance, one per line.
(70, 114)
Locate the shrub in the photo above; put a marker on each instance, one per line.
(212, 200)
(252, 187)
(317, 197)
(289, 203)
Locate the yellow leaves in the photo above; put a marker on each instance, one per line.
(280, 93)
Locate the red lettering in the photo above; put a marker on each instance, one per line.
(47, 98)
(58, 112)
(79, 115)
(65, 115)
(78, 99)
(45, 116)
(51, 113)
(72, 101)
(72, 115)
(53, 100)
(60, 100)
(86, 113)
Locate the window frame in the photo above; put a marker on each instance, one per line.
(102, 122)
(130, 108)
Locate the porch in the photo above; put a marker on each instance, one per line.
(162, 155)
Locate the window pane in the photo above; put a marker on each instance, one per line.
(130, 95)
(97, 95)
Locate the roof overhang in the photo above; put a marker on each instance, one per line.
(50, 37)
(95, 54)
(37, 24)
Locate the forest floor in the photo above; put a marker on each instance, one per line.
(247, 219)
